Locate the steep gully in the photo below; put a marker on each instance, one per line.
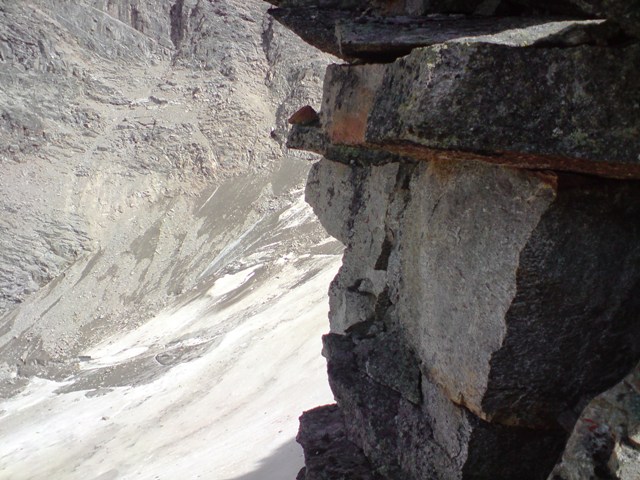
(480, 166)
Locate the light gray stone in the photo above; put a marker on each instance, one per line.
(484, 277)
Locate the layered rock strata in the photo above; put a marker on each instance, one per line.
(485, 188)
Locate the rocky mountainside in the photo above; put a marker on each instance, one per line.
(481, 168)
(154, 241)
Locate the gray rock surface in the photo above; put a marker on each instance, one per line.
(605, 442)
(430, 438)
(496, 103)
(479, 306)
(481, 282)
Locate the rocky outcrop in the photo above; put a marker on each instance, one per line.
(545, 107)
(482, 175)
(471, 299)
(623, 13)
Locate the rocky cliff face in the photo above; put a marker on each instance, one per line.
(481, 166)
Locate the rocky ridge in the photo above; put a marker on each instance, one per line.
(481, 166)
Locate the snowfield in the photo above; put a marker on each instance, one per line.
(244, 371)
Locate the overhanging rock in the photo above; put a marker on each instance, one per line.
(485, 185)
(539, 108)
(624, 13)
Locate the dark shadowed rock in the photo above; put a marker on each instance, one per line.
(387, 38)
(432, 438)
(626, 13)
(328, 454)
(426, 7)
(382, 39)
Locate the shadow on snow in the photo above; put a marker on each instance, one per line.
(283, 464)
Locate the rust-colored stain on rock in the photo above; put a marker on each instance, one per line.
(526, 161)
(347, 111)
(349, 127)
(304, 116)
(349, 121)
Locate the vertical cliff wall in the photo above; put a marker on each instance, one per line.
(481, 165)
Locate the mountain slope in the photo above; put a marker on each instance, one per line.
(143, 167)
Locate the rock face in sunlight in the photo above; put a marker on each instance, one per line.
(484, 322)
(154, 239)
